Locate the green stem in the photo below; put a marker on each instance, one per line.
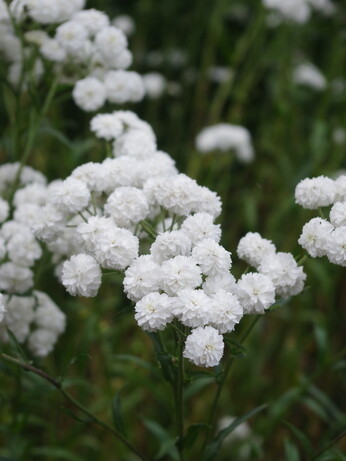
(34, 124)
(148, 229)
(74, 402)
(329, 445)
(222, 382)
(180, 398)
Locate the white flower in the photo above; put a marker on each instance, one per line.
(192, 307)
(41, 342)
(211, 257)
(27, 213)
(154, 311)
(92, 174)
(155, 84)
(204, 347)
(292, 10)
(287, 277)
(170, 244)
(226, 137)
(19, 315)
(48, 223)
(179, 273)
(4, 210)
(2, 307)
(9, 228)
(307, 74)
(106, 126)
(3, 249)
(209, 202)
(223, 281)
(52, 50)
(137, 143)
(24, 248)
(200, 226)
(226, 312)
(110, 41)
(92, 20)
(314, 236)
(336, 246)
(71, 35)
(89, 94)
(127, 206)
(123, 86)
(124, 23)
(91, 231)
(81, 275)
(116, 248)
(252, 247)
(338, 214)
(340, 185)
(71, 195)
(255, 292)
(15, 278)
(141, 278)
(47, 314)
(32, 193)
(315, 192)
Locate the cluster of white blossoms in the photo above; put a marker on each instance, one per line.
(84, 48)
(30, 314)
(136, 214)
(319, 236)
(298, 11)
(306, 74)
(226, 137)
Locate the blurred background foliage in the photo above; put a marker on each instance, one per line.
(295, 358)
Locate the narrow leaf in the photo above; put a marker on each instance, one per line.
(117, 413)
(214, 447)
(76, 417)
(193, 432)
(167, 443)
(307, 445)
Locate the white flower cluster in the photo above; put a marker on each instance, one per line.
(284, 273)
(103, 214)
(306, 74)
(84, 47)
(34, 319)
(321, 237)
(30, 315)
(298, 11)
(225, 137)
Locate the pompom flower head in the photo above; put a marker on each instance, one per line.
(81, 275)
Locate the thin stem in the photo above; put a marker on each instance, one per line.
(148, 229)
(329, 445)
(225, 374)
(75, 402)
(83, 217)
(180, 397)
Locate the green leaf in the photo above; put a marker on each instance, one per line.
(193, 432)
(77, 357)
(165, 360)
(307, 445)
(137, 361)
(76, 417)
(291, 452)
(167, 443)
(213, 448)
(117, 414)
